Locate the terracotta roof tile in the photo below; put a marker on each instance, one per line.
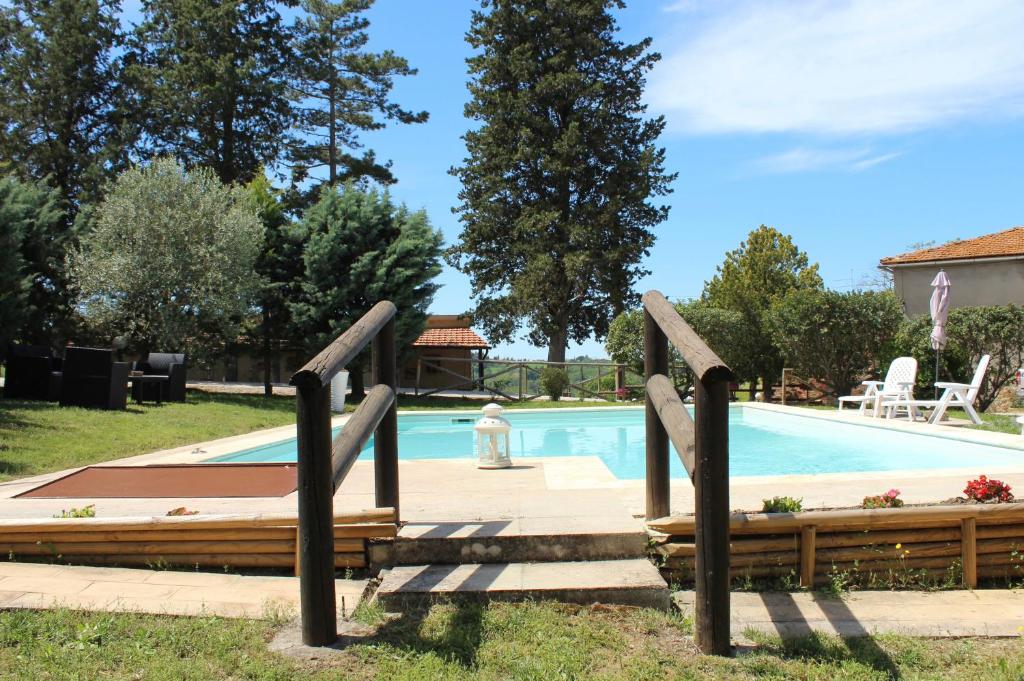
(450, 338)
(1000, 244)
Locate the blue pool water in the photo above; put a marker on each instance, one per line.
(760, 443)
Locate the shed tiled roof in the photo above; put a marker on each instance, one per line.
(450, 338)
(998, 245)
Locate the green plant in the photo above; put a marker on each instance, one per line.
(888, 500)
(169, 261)
(782, 505)
(554, 381)
(84, 512)
(984, 489)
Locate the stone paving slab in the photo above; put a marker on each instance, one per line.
(38, 586)
(629, 582)
(988, 612)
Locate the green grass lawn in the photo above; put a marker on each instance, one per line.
(38, 437)
(501, 641)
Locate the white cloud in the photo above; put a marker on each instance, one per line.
(804, 159)
(841, 67)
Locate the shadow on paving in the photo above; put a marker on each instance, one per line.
(800, 640)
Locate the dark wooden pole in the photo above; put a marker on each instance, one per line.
(711, 487)
(656, 362)
(385, 439)
(316, 515)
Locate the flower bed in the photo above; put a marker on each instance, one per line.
(937, 545)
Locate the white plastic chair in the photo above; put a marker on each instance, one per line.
(955, 395)
(898, 383)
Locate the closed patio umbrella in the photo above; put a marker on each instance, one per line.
(939, 307)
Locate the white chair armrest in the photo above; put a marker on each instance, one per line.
(876, 383)
(951, 386)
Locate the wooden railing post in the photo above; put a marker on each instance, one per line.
(711, 489)
(316, 515)
(969, 551)
(656, 362)
(808, 549)
(385, 439)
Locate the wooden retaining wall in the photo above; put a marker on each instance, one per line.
(981, 540)
(238, 541)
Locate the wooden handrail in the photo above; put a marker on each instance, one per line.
(675, 419)
(350, 441)
(709, 466)
(321, 369)
(706, 365)
(323, 463)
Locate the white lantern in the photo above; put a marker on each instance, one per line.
(494, 448)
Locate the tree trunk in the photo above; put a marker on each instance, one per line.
(268, 389)
(766, 382)
(556, 347)
(356, 378)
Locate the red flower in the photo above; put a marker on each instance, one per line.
(983, 489)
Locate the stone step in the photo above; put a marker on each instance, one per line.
(617, 582)
(516, 542)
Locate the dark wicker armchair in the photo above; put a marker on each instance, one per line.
(167, 364)
(93, 379)
(33, 373)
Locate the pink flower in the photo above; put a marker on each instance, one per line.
(893, 493)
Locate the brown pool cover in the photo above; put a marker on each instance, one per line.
(182, 480)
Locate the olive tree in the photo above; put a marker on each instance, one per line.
(996, 330)
(835, 337)
(169, 265)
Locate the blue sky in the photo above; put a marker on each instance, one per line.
(859, 127)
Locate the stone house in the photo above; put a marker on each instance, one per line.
(985, 270)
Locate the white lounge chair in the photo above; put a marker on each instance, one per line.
(898, 383)
(956, 395)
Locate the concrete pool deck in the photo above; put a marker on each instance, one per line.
(549, 491)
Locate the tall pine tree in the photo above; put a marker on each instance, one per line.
(556, 188)
(362, 249)
(211, 78)
(340, 89)
(61, 108)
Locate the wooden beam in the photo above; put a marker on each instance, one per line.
(656, 438)
(674, 418)
(922, 517)
(385, 440)
(357, 431)
(321, 369)
(706, 365)
(711, 502)
(206, 522)
(807, 556)
(316, 515)
(969, 551)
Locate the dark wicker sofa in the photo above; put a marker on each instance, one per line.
(33, 373)
(93, 379)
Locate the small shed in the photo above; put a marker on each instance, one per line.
(985, 270)
(444, 353)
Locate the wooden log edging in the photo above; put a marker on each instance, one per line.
(970, 541)
(237, 541)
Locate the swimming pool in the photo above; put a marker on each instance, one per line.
(761, 443)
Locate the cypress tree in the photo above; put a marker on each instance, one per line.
(556, 187)
(362, 249)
